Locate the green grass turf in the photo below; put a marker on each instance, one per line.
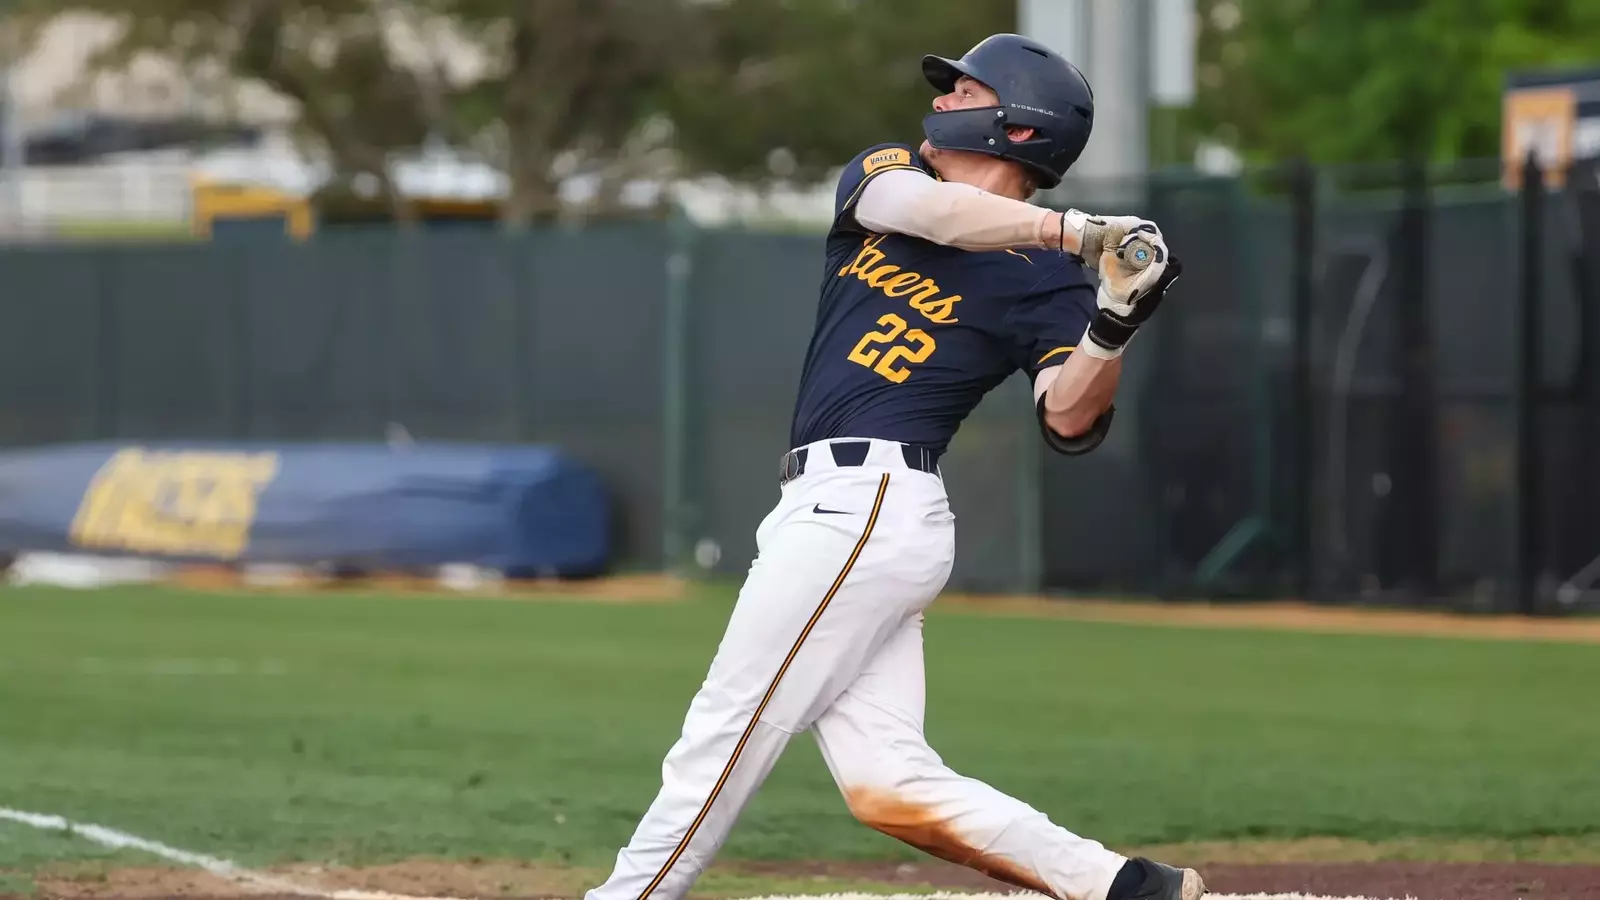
(362, 729)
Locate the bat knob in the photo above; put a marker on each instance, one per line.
(1137, 254)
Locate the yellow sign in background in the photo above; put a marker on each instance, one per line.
(1540, 120)
(174, 503)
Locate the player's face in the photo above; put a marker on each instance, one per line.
(968, 93)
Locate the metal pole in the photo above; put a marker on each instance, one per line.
(1418, 462)
(676, 512)
(1110, 41)
(1304, 200)
(1527, 409)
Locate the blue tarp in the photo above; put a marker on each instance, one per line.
(526, 511)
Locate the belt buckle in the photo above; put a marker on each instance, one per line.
(790, 469)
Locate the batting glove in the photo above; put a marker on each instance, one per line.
(1096, 233)
(1134, 277)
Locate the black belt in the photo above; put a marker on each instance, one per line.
(853, 454)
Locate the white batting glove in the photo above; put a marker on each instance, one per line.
(1134, 276)
(1095, 233)
(1131, 267)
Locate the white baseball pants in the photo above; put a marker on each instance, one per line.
(827, 635)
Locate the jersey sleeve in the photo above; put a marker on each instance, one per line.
(1047, 325)
(867, 165)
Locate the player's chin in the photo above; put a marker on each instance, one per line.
(927, 151)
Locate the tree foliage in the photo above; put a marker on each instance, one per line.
(1353, 80)
(793, 89)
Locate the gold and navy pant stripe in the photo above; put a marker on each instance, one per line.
(727, 770)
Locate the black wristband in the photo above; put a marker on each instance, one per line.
(1110, 330)
(1076, 445)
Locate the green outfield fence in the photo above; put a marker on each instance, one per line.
(1375, 384)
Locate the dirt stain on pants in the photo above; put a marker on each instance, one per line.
(925, 829)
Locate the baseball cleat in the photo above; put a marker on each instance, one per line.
(1164, 882)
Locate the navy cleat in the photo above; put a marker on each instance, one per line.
(1144, 879)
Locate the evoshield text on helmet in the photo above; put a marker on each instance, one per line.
(1038, 89)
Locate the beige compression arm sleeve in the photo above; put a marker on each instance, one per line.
(954, 214)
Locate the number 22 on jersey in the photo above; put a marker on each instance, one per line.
(915, 347)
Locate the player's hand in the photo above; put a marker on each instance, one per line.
(1092, 235)
(1130, 268)
(1134, 277)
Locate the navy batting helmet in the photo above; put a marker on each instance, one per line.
(1038, 89)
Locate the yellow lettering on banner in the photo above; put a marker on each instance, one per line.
(886, 158)
(175, 503)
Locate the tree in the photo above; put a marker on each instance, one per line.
(791, 90)
(556, 88)
(579, 88)
(1354, 80)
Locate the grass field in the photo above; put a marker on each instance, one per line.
(364, 729)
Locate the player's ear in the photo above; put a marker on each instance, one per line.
(1018, 133)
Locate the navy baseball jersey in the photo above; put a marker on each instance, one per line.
(910, 334)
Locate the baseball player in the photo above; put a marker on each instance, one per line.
(940, 281)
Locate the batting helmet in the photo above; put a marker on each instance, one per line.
(1038, 89)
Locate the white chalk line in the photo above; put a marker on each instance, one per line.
(222, 868)
(231, 871)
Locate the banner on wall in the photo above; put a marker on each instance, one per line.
(521, 511)
(1556, 116)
